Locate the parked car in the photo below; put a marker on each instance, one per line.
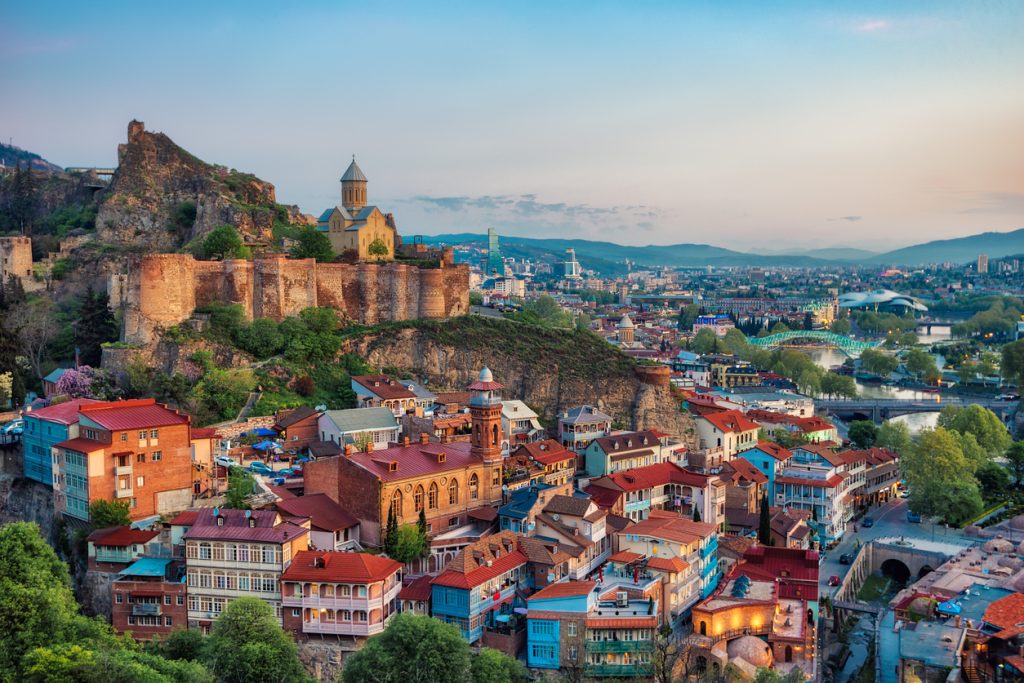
(913, 517)
(225, 461)
(13, 427)
(846, 558)
(867, 522)
(260, 468)
(905, 494)
(833, 580)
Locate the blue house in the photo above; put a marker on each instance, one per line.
(44, 429)
(518, 513)
(770, 458)
(555, 613)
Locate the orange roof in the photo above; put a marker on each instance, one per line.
(775, 450)
(672, 528)
(625, 556)
(568, 589)
(457, 579)
(546, 452)
(731, 421)
(639, 622)
(332, 565)
(664, 564)
(658, 474)
(1006, 612)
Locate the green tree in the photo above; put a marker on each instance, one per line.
(241, 485)
(583, 322)
(262, 338)
(183, 643)
(968, 372)
(941, 477)
(766, 675)
(920, 363)
(248, 645)
(705, 341)
(863, 433)
(879, 363)
(378, 248)
(311, 243)
(96, 325)
(1013, 362)
(895, 436)
(843, 386)
(108, 513)
(696, 514)
(841, 326)
(222, 393)
(493, 666)
(987, 428)
(779, 328)
(688, 316)
(735, 341)
(1015, 461)
(391, 533)
(421, 523)
(412, 648)
(994, 480)
(409, 544)
(224, 242)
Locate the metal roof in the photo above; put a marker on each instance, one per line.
(362, 419)
(353, 173)
(147, 566)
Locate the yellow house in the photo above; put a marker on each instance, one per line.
(355, 228)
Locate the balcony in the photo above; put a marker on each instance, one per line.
(341, 602)
(619, 670)
(140, 609)
(343, 628)
(620, 646)
(124, 493)
(122, 470)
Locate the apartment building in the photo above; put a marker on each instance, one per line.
(148, 598)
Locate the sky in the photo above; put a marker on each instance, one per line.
(748, 125)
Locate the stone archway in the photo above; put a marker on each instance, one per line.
(896, 570)
(925, 570)
(788, 653)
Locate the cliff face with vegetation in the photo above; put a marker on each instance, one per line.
(551, 370)
(164, 197)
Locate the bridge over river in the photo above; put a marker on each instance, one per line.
(820, 338)
(879, 409)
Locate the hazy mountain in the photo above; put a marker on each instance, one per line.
(839, 253)
(16, 156)
(957, 250)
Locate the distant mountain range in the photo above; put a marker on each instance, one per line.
(16, 156)
(958, 250)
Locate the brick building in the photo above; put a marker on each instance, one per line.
(44, 429)
(148, 598)
(298, 427)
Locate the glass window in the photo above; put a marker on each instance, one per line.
(140, 457)
(157, 455)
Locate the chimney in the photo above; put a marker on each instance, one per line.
(444, 437)
(405, 441)
(424, 437)
(349, 450)
(369, 446)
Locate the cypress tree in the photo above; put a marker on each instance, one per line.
(96, 325)
(391, 534)
(764, 530)
(422, 523)
(696, 514)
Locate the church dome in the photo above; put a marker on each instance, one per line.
(354, 173)
(625, 322)
(752, 650)
(486, 376)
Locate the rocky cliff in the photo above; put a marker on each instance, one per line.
(551, 370)
(164, 197)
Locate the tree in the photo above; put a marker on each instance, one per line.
(421, 523)
(10, 351)
(808, 321)
(262, 338)
(765, 675)
(183, 643)
(967, 371)
(378, 248)
(688, 316)
(493, 666)
(833, 384)
(223, 242)
(987, 428)
(96, 325)
(920, 363)
(412, 649)
(879, 363)
(666, 655)
(696, 514)
(779, 328)
(222, 393)
(941, 477)
(75, 383)
(705, 341)
(241, 485)
(895, 436)
(391, 533)
(248, 645)
(108, 513)
(764, 527)
(734, 340)
(841, 326)
(36, 325)
(409, 544)
(583, 322)
(994, 480)
(1015, 461)
(863, 433)
(1013, 362)
(311, 243)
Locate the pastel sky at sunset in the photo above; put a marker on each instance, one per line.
(741, 124)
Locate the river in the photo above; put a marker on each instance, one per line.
(829, 358)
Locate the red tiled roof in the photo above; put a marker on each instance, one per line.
(822, 450)
(132, 414)
(416, 460)
(775, 450)
(383, 386)
(204, 433)
(564, 590)
(658, 474)
(121, 536)
(740, 468)
(64, 413)
(265, 529)
(484, 513)
(286, 418)
(1006, 612)
(664, 564)
(332, 565)
(672, 528)
(546, 452)
(419, 590)
(81, 445)
(603, 497)
(829, 483)
(476, 577)
(187, 518)
(627, 441)
(620, 622)
(767, 564)
(625, 557)
(457, 397)
(731, 421)
(323, 512)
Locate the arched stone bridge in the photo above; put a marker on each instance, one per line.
(880, 409)
(848, 345)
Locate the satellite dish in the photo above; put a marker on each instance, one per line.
(216, 512)
(248, 514)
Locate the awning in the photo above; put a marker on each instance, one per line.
(948, 608)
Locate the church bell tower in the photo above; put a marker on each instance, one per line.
(353, 187)
(485, 409)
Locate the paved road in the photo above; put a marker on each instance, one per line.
(890, 520)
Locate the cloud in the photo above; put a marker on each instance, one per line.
(999, 202)
(872, 26)
(851, 219)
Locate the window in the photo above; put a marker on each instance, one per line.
(179, 600)
(417, 498)
(157, 455)
(453, 492)
(154, 433)
(296, 612)
(570, 629)
(496, 478)
(124, 436)
(119, 598)
(396, 504)
(204, 551)
(142, 435)
(140, 457)
(140, 481)
(432, 496)
(454, 521)
(167, 621)
(167, 599)
(474, 487)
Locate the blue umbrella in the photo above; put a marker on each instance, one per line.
(264, 445)
(263, 431)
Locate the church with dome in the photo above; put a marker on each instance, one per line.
(355, 229)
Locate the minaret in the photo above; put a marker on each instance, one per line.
(485, 409)
(353, 187)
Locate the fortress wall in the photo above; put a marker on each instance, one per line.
(329, 287)
(456, 290)
(366, 293)
(432, 298)
(162, 292)
(283, 287)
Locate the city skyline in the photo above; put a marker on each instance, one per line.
(798, 126)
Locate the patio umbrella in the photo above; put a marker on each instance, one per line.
(264, 445)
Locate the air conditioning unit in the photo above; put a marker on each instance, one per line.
(622, 599)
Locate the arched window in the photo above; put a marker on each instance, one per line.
(453, 492)
(494, 435)
(474, 487)
(432, 496)
(396, 504)
(418, 498)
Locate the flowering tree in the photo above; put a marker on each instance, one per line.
(76, 383)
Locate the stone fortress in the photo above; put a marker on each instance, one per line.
(162, 290)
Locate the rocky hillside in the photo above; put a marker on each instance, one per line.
(164, 197)
(12, 156)
(551, 370)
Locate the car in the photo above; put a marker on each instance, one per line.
(905, 494)
(225, 461)
(260, 468)
(13, 427)
(833, 580)
(846, 558)
(867, 522)
(913, 517)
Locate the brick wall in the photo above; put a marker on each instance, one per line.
(120, 612)
(15, 257)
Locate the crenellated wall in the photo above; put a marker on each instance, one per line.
(164, 289)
